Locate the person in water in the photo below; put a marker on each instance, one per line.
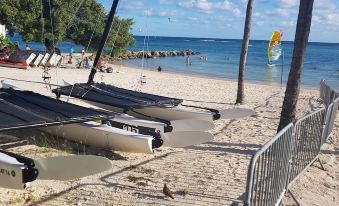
(188, 60)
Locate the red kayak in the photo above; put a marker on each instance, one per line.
(14, 65)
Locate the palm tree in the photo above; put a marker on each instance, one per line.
(243, 55)
(300, 42)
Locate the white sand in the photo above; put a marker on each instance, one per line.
(209, 174)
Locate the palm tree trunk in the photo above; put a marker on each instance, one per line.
(243, 55)
(300, 42)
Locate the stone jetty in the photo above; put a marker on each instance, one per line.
(157, 54)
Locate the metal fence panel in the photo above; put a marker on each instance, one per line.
(275, 166)
(307, 141)
(268, 171)
(327, 95)
(330, 118)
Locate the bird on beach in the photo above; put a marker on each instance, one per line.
(167, 191)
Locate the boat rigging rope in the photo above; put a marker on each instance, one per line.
(116, 37)
(51, 21)
(69, 93)
(45, 74)
(75, 13)
(43, 28)
(96, 26)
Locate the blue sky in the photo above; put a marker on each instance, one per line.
(225, 18)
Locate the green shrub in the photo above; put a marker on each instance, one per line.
(6, 42)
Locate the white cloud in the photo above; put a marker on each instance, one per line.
(324, 5)
(289, 23)
(257, 14)
(165, 1)
(236, 12)
(332, 18)
(138, 5)
(282, 12)
(162, 13)
(226, 5)
(260, 23)
(288, 3)
(317, 18)
(206, 5)
(192, 18)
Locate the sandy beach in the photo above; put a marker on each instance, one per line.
(206, 174)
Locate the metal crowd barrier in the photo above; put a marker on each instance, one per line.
(327, 94)
(330, 118)
(307, 140)
(268, 171)
(275, 166)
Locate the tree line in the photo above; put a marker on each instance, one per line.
(81, 22)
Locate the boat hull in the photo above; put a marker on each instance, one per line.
(14, 65)
(103, 136)
(164, 113)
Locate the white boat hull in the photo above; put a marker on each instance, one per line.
(103, 136)
(168, 114)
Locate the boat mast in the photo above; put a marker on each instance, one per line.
(103, 40)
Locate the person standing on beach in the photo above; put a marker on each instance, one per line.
(71, 51)
(27, 47)
(16, 49)
(83, 53)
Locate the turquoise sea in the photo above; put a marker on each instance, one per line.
(321, 60)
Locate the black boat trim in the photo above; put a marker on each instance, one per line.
(216, 114)
(30, 173)
(156, 142)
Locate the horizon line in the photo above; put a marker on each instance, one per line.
(227, 39)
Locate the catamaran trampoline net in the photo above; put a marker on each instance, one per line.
(114, 96)
(23, 109)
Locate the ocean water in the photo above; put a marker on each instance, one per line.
(321, 60)
(65, 46)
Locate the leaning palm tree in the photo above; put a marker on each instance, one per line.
(300, 42)
(243, 55)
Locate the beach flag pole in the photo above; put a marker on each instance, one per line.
(103, 40)
(282, 67)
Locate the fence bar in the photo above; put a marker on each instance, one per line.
(268, 170)
(307, 142)
(330, 118)
(327, 94)
(276, 165)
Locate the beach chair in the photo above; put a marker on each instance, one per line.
(52, 60)
(44, 59)
(37, 60)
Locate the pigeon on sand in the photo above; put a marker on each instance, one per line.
(167, 191)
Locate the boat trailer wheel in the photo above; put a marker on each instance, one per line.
(156, 143)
